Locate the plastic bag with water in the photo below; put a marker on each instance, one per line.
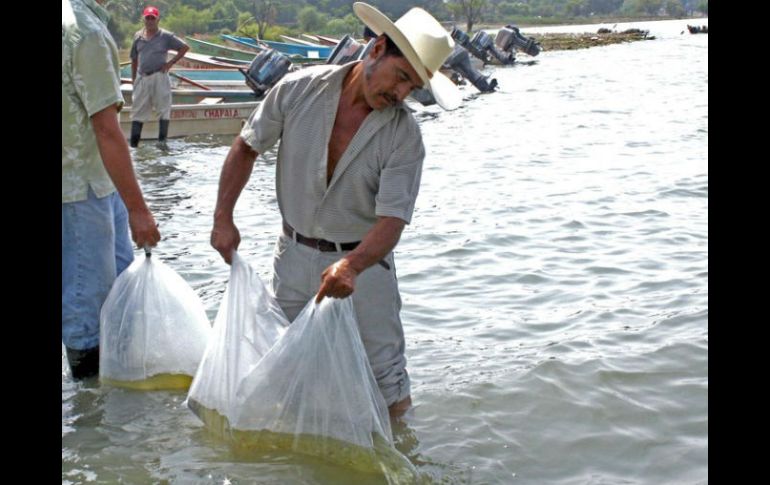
(153, 329)
(248, 323)
(312, 392)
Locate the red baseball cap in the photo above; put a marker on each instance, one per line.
(151, 12)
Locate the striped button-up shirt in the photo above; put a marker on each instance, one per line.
(90, 82)
(377, 175)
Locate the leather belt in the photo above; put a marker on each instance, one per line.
(319, 244)
(323, 245)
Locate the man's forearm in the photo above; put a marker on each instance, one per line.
(116, 157)
(180, 54)
(378, 242)
(235, 174)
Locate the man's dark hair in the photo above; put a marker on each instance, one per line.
(391, 49)
(369, 33)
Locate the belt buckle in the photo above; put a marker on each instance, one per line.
(325, 246)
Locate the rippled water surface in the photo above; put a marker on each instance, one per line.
(554, 280)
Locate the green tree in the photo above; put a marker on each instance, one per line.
(225, 15)
(263, 14)
(603, 6)
(310, 19)
(674, 8)
(576, 8)
(347, 25)
(642, 7)
(511, 9)
(184, 20)
(470, 10)
(703, 6)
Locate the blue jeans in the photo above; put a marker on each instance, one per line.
(95, 249)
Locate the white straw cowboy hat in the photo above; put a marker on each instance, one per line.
(424, 43)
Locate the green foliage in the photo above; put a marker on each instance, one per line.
(248, 29)
(511, 9)
(674, 8)
(576, 8)
(225, 15)
(274, 32)
(642, 7)
(600, 7)
(310, 19)
(468, 10)
(186, 20)
(336, 18)
(348, 25)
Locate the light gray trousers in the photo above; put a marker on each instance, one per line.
(296, 278)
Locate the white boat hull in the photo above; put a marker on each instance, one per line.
(195, 119)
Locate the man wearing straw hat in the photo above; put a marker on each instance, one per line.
(347, 177)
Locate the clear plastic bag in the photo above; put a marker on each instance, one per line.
(153, 329)
(313, 392)
(248, 323)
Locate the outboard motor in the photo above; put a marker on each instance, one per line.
(267, 68)
(423, 96)
(483, 42)
(510, 38)
(460, 61)
(462, 38)
(347, 50)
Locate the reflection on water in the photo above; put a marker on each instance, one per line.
(554, 282)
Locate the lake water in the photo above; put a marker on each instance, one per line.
(554, 282)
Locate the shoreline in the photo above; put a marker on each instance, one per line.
(558, 42)
(531, 22)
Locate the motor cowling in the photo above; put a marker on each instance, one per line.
(267, 68)
(484, 42)
(509, 38)
(459, 60)
(462, 38)
(348, 49)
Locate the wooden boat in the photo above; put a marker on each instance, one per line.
(321, 52)
(192, 60)
(294, 40)
(196, 119)
(217, 50)
(205, 75)
(193, 95)
(256, 48)
(312, 38)
(327, 40)
(321, 39)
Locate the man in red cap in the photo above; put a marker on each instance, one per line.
(149, 73)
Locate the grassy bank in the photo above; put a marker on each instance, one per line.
(555, 42)
(524, 22)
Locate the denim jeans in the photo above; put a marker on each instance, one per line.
(95, 248)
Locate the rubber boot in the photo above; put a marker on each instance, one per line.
(83, 363)
(136, 133)
(163, 130)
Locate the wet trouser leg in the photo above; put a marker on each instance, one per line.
(96, 247)
(296, 278)
(163, 130)
(136, 133)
